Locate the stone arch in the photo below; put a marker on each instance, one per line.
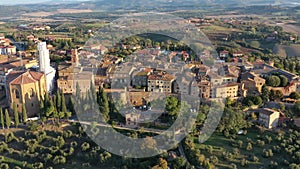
(17, 93)
(31, 93)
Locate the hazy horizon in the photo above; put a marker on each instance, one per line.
(20, 2)
(5, 2)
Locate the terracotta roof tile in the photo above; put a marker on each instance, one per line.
(21, 77)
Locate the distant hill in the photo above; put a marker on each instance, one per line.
(139, 5)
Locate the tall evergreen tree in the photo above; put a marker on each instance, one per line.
(102, 100)
(24, 114)
(42, 109)
(58, 101)
(63, 103)
(55, 102)
(265, 94)
(7, 119)
(71, 104)
(78, 91)
(16, 114)
(1, 118)
(49, 108)
(93, 91)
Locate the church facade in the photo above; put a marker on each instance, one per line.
(26, 87)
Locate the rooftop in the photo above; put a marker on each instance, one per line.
(267, 111)
(21, 77)
(165, 77)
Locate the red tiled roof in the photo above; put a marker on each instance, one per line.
(36, 75)
(20, 77)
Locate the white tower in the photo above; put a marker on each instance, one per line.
(45, 67)
(44, 56)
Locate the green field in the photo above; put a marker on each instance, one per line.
(221, 147)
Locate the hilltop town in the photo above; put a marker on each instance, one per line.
(60, 88)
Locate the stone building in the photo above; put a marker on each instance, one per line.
(26, 87)
(225, 91)
(141, 78)
(69, 76)
(160, 82)
(269, 118)
(253, 83)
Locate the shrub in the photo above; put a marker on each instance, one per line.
(85, 146)
(255, 159)
(4, 166)
(68, 134)
(59, 160)
(60, 142)
(244, 162)
(9, 137)
(249, 147)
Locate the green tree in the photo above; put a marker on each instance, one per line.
(275, 95)
(296, 108)
(16, 115)
(60, 142)
(232, 120)
(249, 147)
(49, 107)
(265, 94)
(162, 164)
(179, 163)
(24, 113)
(172, 105)
(257, 100)
(63, 103)
(102, 100)
(1, 117)
(295, 95)
(78, 91)
(58, 101)
(42, 109)
(255, 44)
(273, 81)
(283, 80)
(7, 119)
(59, 160)
(85, 146)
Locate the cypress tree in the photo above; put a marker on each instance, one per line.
(63, 103)
(93, 91)
(16, 114)
(103, 104)
(7, 119)
(24, 114)
(78, 91)
(42, 109)
(1, 118)
(58, 101)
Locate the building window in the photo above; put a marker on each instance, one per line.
(31, 93)
(17, 94)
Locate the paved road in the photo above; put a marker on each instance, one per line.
(121, 127)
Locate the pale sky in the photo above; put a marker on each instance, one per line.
(14, 2)
(10, 2)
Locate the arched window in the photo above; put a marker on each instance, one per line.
(31, 93)
(17, 94)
